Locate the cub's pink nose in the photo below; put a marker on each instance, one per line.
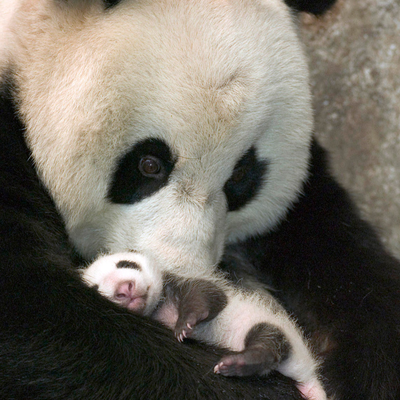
(128, 295)
(125, 291)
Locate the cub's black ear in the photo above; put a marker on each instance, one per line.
(316, 7)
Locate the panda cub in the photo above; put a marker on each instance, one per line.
(250, 323)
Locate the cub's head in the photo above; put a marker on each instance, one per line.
(168, 127)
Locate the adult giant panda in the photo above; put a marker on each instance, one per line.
(180, 129)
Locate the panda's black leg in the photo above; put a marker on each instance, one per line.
(265, 348)
(198, 300)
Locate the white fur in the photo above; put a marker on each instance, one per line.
(8, 8)
(210, 78)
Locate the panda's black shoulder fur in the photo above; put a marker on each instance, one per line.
(330, 269)
(316, 7)
(62, 340)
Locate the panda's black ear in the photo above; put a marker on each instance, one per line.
(107, 3)
(111, 3)
(316, 7)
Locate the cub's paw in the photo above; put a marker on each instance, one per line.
(128, 279)
(198, 300)
(187, 322)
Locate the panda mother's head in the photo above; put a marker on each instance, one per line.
(170, 127)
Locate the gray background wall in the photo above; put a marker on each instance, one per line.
(354, 53)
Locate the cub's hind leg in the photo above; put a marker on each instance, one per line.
(265, 348)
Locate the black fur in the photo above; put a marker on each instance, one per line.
(62, 340)
(331, 270)
(316, 7)
(111, 3)
(247, 179)
(129, 185)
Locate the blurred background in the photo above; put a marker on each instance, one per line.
(354, 53)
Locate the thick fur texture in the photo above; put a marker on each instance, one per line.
(191, 100)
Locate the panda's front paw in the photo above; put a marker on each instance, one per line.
(127, 279)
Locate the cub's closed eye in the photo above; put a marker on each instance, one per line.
(150, 166)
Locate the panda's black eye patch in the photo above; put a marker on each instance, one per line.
(246, 180)
(141, 172)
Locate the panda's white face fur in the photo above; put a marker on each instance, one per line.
(203, 82)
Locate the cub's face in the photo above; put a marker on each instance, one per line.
(167, 127)
(128, 279)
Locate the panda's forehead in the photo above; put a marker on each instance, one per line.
(171, 67)
(196, 112)
(191, 134)
(196, 120)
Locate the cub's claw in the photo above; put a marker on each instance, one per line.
(183, 333)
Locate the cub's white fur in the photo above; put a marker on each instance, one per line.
(211, 78)
(244, 310)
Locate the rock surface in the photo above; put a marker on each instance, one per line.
(354, 53)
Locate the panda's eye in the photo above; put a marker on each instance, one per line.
(150, 166)
(238, 174)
